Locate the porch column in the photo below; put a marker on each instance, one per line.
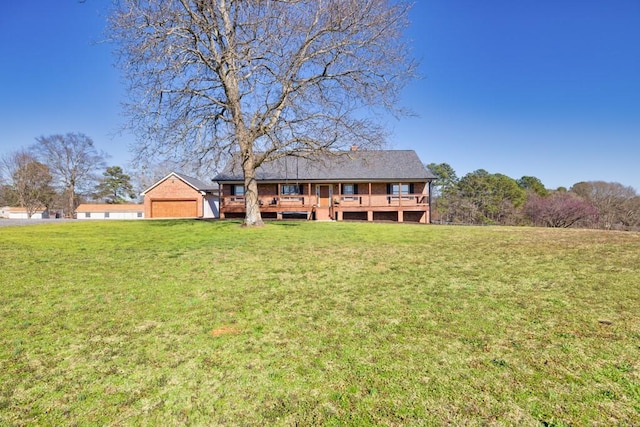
(221, 201)
(429, 199)
(400, 216)
(370, 216)
(370, 197)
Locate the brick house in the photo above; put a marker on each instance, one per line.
(180, 196)
(380, 185)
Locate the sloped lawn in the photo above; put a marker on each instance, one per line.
(207, 323)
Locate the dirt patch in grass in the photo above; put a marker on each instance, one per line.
(224, 330)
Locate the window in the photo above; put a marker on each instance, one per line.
(139, 214)
(349, 189)
(106, 214)
(394, 189)
(237, 190)
(87, 214)
(289, 190)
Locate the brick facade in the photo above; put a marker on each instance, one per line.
(172, 189)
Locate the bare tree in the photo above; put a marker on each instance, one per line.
(73, 161)
(559, 209)
(630, 213)
(610, 199)
(30, 181)
(263, 78)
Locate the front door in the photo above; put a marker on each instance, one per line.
(323, 211)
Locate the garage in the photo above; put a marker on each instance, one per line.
(174, 208)
(180, 196)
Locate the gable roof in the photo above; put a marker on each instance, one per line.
(195, 183)
(110, 207)
(362, 165)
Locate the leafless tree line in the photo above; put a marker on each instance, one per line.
(52, 171)
(483, 198)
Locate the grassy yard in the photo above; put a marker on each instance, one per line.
(207, 323)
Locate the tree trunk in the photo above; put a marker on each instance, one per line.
(72, 194)
(252, 218)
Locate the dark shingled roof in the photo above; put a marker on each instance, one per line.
(363, 165)
(196, 183)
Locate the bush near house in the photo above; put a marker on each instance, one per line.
(196, 322)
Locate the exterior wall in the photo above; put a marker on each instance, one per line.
(13, 213)
(172, 188)
(377, 188)
(112, 215)
(420, 188)
(211, 206)
(268, 189)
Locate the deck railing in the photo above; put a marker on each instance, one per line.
(377, 200)
(364, 201)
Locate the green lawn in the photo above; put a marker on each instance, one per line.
(208, 323)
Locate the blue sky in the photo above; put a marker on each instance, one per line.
(548, 88)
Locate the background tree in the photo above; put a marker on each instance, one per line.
(7, 195)
(609, 198)
(630, 213)
(442, 197)
(533, 184)
(560, 209)
(259, 78)
(446, 177)
(73, 161)
(30, 181)
(115, 186)
(482, 197)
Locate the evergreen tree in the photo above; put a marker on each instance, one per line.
(115, 186)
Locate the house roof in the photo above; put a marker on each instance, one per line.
(18, 209)
(110, 207)
(362, 165)
(195, 183)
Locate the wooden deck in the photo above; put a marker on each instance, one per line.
(366, 204)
